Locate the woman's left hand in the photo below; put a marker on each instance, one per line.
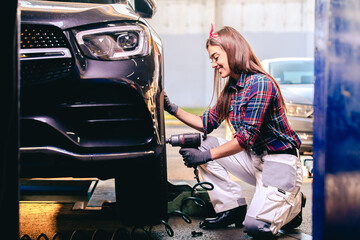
(194, 157)
(169, 106)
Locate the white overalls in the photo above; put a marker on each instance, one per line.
(277, 177)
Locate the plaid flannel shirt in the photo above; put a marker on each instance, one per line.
(257, 115)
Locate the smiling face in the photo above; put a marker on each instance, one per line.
(219, 60)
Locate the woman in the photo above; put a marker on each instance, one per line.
(263, 152)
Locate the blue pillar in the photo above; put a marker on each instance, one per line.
(336, 186)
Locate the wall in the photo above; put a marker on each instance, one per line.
(274, 28)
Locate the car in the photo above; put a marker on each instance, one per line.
(295, 77)
(91, 102)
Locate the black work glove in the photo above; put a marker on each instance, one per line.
(169, 106)
(194, 157)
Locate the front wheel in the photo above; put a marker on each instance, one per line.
(141, 193)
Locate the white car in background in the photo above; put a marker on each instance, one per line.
(295, 77)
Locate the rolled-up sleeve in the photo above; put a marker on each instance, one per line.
(253, 111)
(210, 120)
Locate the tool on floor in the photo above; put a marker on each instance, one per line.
(191, 140)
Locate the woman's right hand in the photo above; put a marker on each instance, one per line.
(169, 106)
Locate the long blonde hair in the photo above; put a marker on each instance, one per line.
(241, 59)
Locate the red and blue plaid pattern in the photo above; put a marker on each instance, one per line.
(257, 115)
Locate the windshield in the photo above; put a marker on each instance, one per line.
(293, 72)
(91, 1)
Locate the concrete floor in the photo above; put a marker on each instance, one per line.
(64, 218)
(52, 218)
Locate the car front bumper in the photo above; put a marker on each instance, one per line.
(78, 113)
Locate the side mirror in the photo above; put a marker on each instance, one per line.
(145, 8)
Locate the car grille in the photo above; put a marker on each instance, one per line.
(45, 54)
(39, 71)
(42, 36)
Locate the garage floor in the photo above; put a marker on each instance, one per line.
(76, 219)
(52, 218)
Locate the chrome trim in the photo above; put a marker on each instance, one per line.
(88, 105)
(44, 53)
(86, 157)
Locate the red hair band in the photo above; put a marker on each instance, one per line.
(214, 36)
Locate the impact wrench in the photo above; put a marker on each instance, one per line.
(190, 140)
(186, 140)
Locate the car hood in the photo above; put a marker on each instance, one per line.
(69, 15)
(298, 93)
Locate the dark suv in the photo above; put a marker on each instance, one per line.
(92, 99)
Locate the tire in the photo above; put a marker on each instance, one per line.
(141, 191)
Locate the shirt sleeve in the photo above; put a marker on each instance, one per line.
(254, 110)
(210, 120)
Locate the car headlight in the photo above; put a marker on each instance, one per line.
(299, 110)
(114, 42)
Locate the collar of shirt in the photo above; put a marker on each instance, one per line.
(236, 84)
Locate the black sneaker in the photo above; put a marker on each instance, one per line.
(224, 219)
